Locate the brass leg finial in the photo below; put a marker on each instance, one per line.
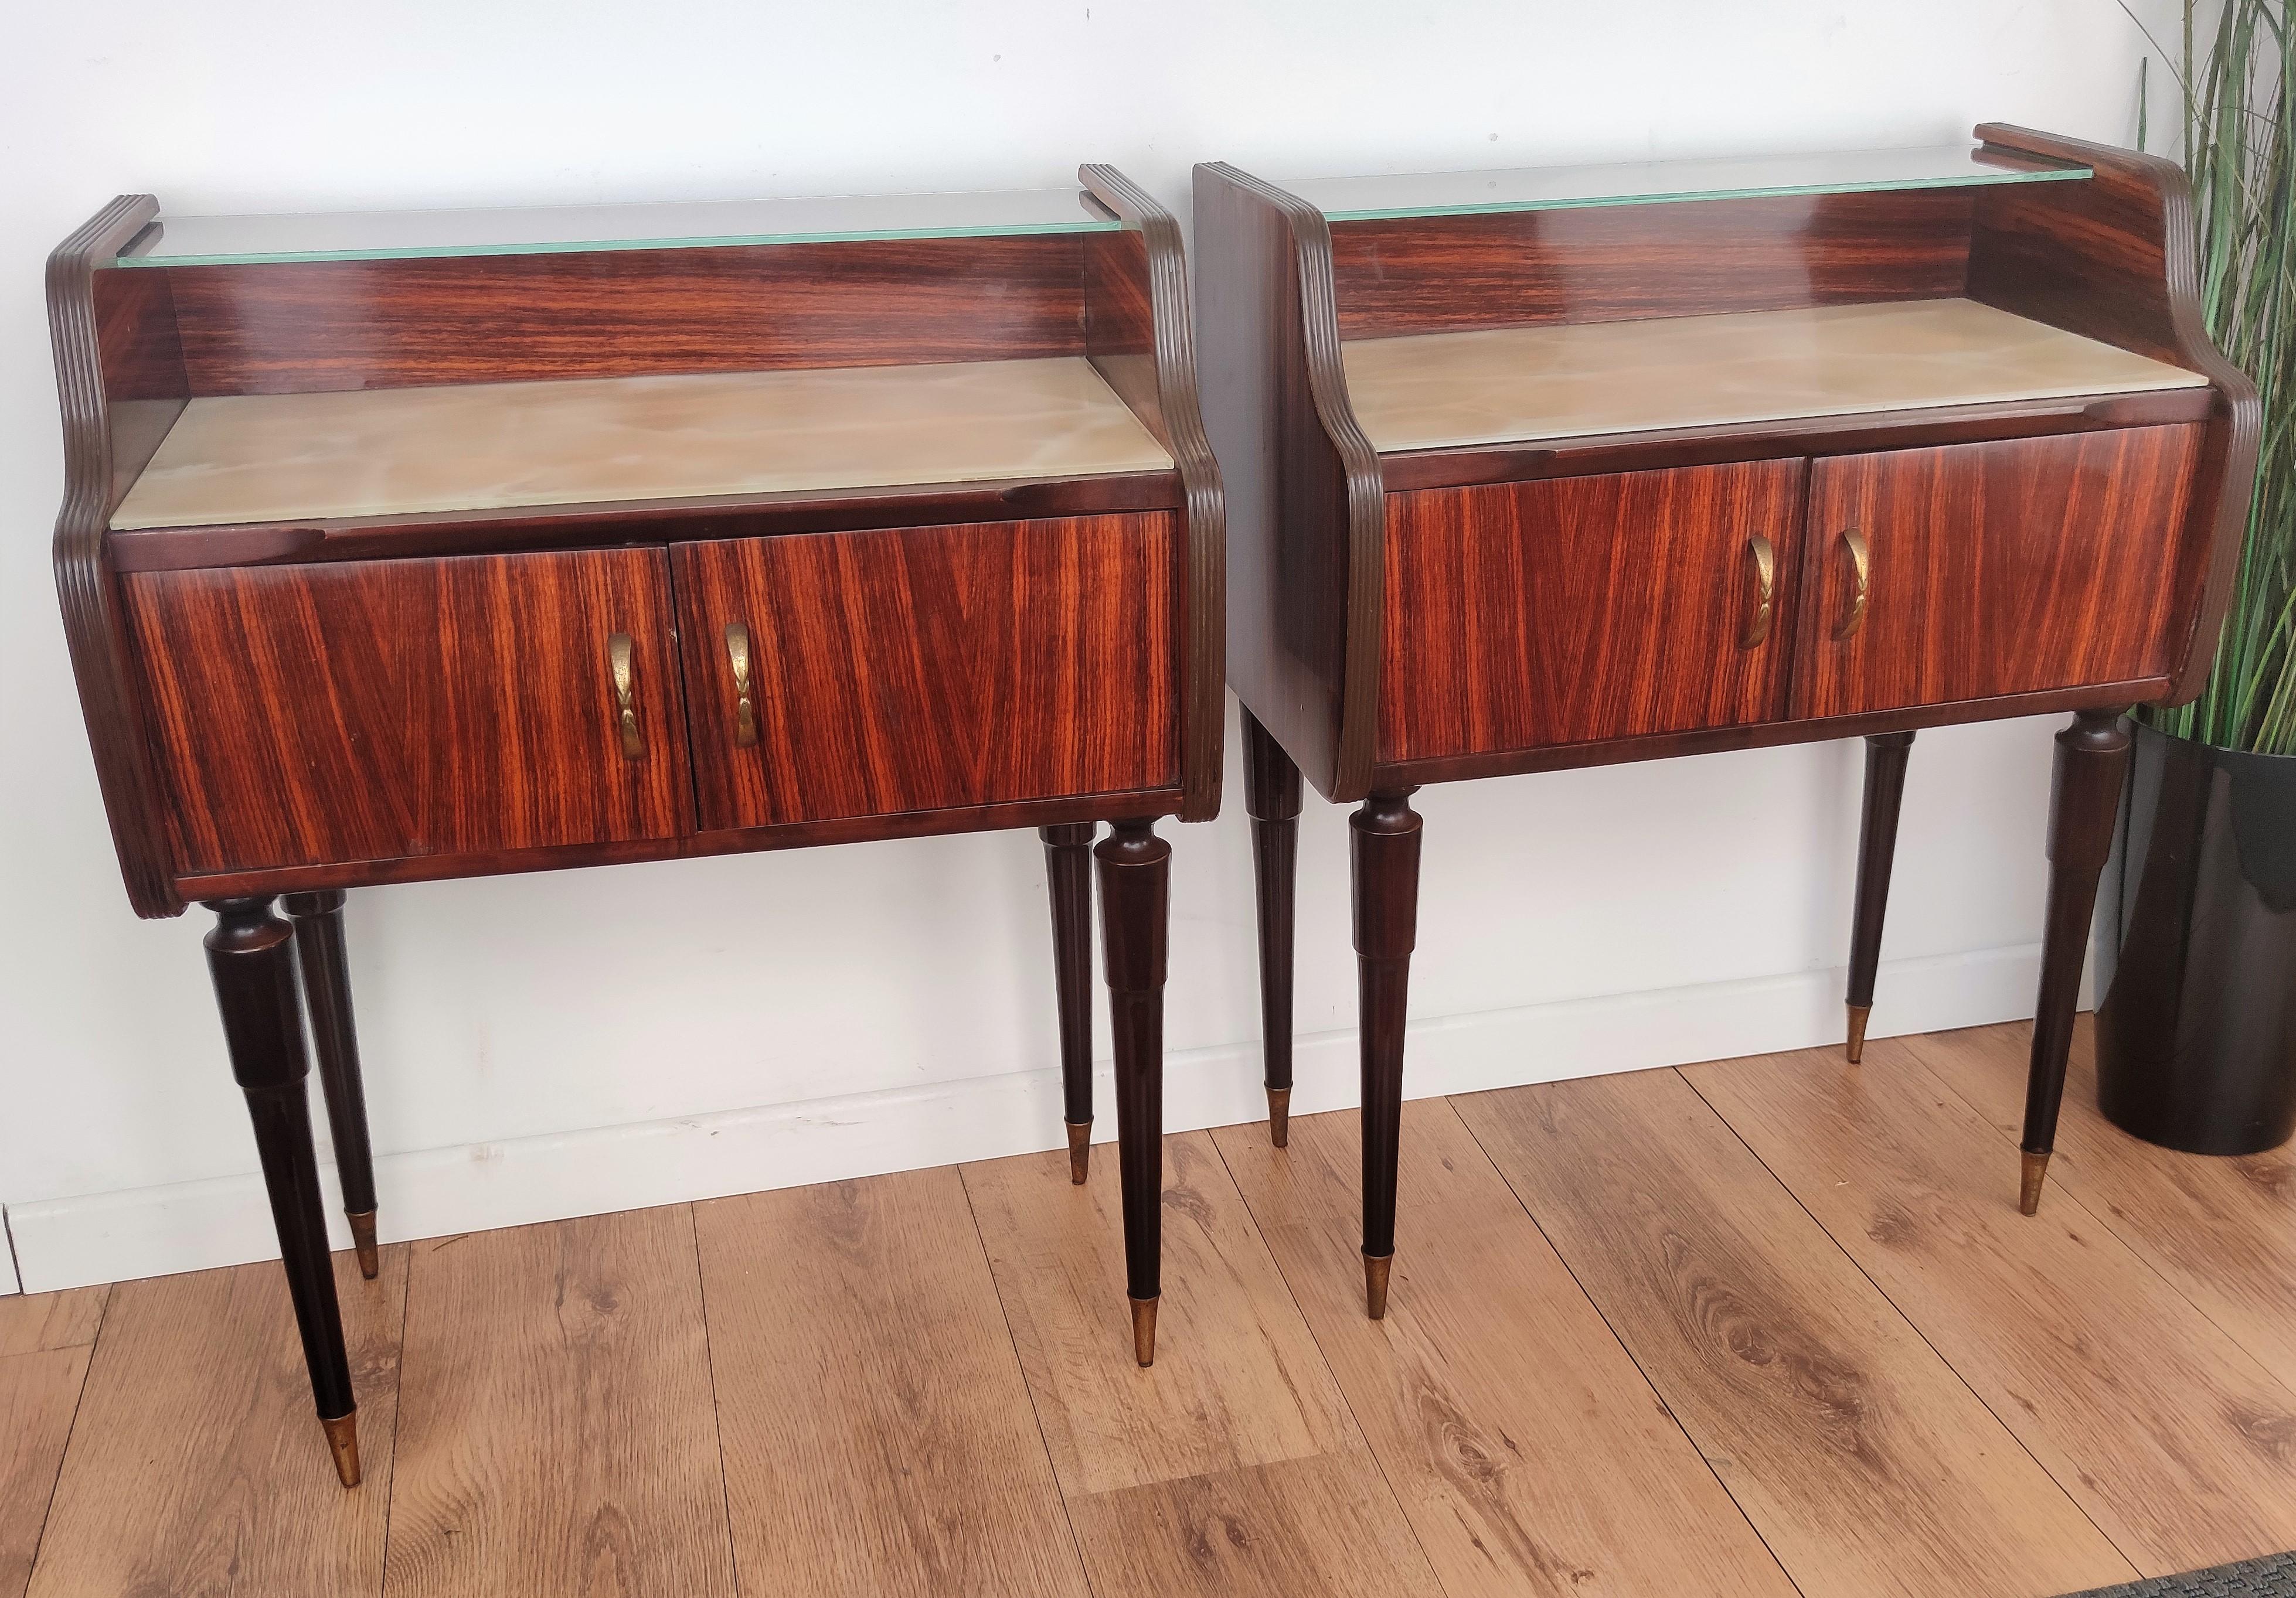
(2029, 1191)
(1376, 1267)
(1279, 1116)
(342, 1441)
(1079, 1150)
(363, 1239)
(1144, 1330)
(1858, 1014)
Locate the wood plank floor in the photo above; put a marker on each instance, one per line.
(1757, 1327)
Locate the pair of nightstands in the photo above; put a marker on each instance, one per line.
(448, 544)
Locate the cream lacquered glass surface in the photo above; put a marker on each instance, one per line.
(1577, 379)
(1651, 183)
(544, 230)
(483, 447)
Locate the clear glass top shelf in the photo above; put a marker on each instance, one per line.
(1659, 182)
(547, 230)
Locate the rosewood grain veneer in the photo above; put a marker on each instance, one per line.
(457, 544)
(1545, 469)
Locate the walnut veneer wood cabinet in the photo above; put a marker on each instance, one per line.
(1534, 469)
(453, 544)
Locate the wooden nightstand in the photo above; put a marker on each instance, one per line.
(454, 544)
(1535, 470)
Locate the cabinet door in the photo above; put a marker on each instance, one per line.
(377, 709)
(919, 669)
(1572, 610)
(1992, 569)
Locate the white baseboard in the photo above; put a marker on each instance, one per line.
(192, 1225)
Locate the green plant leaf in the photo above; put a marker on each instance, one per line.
(2238, 96)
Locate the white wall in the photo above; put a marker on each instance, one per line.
(544, 1045)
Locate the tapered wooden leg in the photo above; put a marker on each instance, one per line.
(1134, 904)
(1886, 754)
(251, 956)
(1385, 833)
(1068, 879)
(2092, 761)
(1271, 790)
(318, 919)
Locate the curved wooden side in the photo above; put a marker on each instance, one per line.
(1115, 337)
(87, 588)
(2115, 260)
(1303, 616)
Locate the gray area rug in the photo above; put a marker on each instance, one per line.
(2273, 1576)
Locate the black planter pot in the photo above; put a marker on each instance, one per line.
(2196, 1041)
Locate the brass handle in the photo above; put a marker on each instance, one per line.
(1763, 557)
(745, 709)
(1861, 565)
(626, 710)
